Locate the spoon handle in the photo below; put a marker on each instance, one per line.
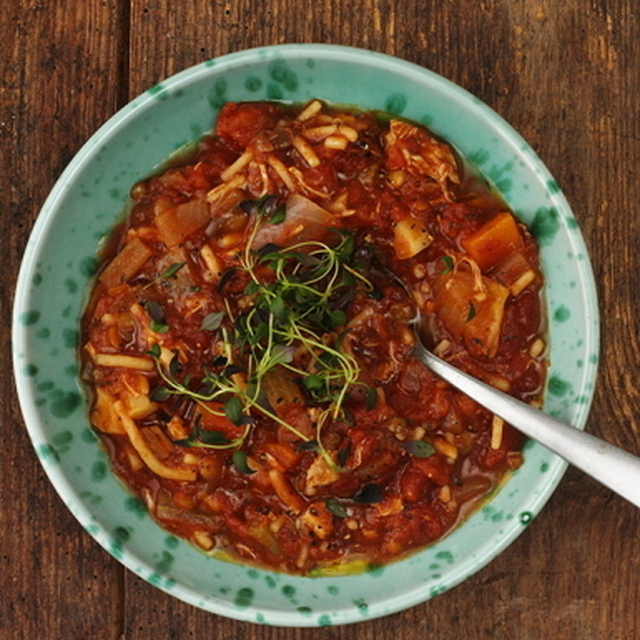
(616, 469)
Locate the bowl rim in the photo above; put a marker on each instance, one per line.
(47, 218)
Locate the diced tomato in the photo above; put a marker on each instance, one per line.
(240, 123)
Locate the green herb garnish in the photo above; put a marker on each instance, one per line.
(472, 312)
(299, 308)
(419, 448)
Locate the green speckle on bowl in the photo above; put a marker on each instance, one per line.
(71, 285)
(43, 333)
(496, 174)
(47, 453)
(396, 103)
(446, 556)
(253, 574)
(89, 436)
(436, 591)
(288, 591)
(271, 582)
(504, 185)
(526, 517)
(66, 404)
(135, 505)
(121, 533)
(426, 120)
(274, 92)
(305, 611)
(544, 467)
(70, 337)
(63, 438)
(172, 542)
(71, 370)
(558, 387)
(478, 157)
(30, 370)
(92, 498)
(209, 63)
(89, 266)
(253, 84)
(29, 318)
(553, 186)
(98, 471)
(333, 590)
(375, 570)
(280, 72)
(561, 314)
(324, 621)
(593, 358)
(166, 560)
(156, 89)
(545, 225)
(37, 279)
(196, 129)
(572, 223)
(244, 598)
(217, 97)
(362, 605)
(156, 579)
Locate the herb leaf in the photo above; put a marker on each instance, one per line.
(278, 215)
(448, 264)
(472, 312)
(233, 410)
(212, 437)
(419, 448)
(172, 270)
(212, 321)
(240, 462)
(336, 508)
(154, 350)
(369, 494)
(160, 394)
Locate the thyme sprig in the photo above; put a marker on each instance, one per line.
(300, 295)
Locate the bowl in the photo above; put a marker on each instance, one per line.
(89, 198)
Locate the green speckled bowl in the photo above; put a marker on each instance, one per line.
(61, 257)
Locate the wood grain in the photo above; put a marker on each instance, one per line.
(565, 75)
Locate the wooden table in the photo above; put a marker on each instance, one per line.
(565, 74)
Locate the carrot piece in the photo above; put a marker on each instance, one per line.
(494, 241)
(126, 264)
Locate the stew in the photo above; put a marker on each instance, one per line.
(248, 350)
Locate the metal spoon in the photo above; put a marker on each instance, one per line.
(616, 469)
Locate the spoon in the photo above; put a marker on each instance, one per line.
(616, 469)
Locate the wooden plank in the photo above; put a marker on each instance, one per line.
(59, 69)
